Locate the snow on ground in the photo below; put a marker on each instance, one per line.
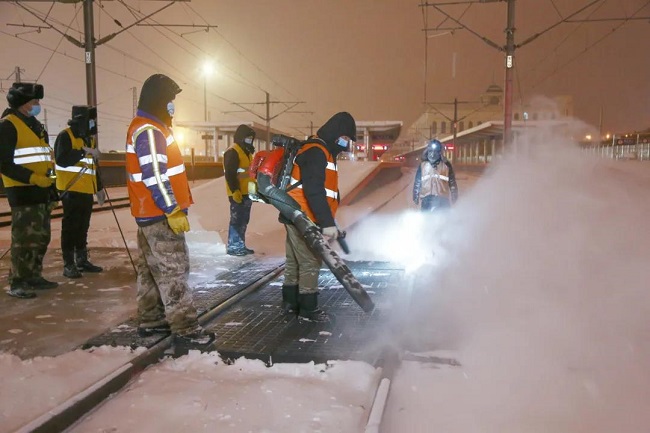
(34, 386)
(535, 283)
(318, 398)
(198, 393)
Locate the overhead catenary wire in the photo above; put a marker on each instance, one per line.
(249, 61)
(68, 27)
(588, 48)
(55, 48)
(544, 58)
(134, 12)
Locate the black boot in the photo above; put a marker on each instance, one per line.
(290, 299)
(21, 290)
(308, 308)
(148, 329)
(200, 339)
(69, 267)
(81, 257)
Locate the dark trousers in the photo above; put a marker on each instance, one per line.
(431, 203)
(240, 215)
(77, 208)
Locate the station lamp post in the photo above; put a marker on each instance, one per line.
(208, 69)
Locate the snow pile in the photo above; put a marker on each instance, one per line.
(34, 386)
(198, 392)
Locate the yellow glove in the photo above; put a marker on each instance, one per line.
(237, 196)
(178, 221)
(40, 180)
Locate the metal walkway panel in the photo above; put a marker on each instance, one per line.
(206, 295)
(256, 328)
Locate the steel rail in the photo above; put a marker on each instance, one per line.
(74, 408)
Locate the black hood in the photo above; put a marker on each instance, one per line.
(157, 91)
(341, 124)
(241, 133)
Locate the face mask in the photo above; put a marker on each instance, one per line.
(35, 110)
(91, 124)
(248, 140)
(170, 108)
(342, 142)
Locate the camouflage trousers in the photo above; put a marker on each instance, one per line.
(30, 236)
(302, 265)
(163, 268)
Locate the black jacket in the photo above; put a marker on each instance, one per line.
(313, 164)
(231, 158)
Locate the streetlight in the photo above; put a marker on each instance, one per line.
(208, 69)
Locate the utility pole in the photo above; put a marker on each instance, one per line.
(510, 46)
(135, 100)
(90, 43)
(600, 125)
(267, 118)
(510, 62)
(205, 113)
(89, 46)
(17, 74)
(301, 129)
(454, 121)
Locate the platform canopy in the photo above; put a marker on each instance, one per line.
(492, 130)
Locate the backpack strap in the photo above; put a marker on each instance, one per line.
(312, 140)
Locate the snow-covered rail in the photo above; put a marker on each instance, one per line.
(73, 409)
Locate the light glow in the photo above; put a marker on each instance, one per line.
(208, 68)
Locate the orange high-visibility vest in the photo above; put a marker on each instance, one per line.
(142, 203)
(331, 182)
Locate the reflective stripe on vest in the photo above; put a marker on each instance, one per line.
(31, 151)
(328, 192)
(434, 180)
(67, 177)
(142, 203)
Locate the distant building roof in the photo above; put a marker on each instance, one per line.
(493, 88)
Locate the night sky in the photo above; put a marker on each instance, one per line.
(362, 56)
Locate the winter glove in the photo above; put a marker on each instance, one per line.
(237, 196)
(330, 233)
(101, 197)
(40, 180)
(93, 151)
(178, 221)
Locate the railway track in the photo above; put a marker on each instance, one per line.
(67, 413)
(57, 212)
